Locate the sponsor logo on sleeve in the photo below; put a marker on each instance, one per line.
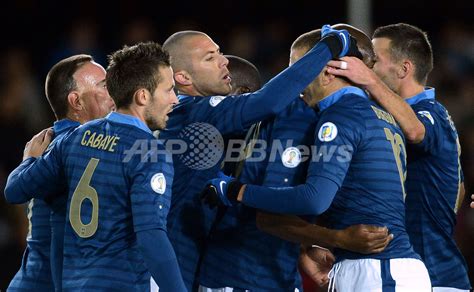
(158, 183)
(327, 132)
(291, 157)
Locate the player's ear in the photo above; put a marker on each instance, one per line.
(74, 101)
(405, 68)
(141, 97)
(182, 77)
(326, 77)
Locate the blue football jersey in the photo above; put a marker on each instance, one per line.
(119, 181)
(361, 148)
(433, 181)
(35, 271)
(200, 122)
(260, 261)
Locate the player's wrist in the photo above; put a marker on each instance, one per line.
(338, 238)
(334, 44)
(233, 190)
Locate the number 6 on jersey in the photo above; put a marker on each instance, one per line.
(85, 191)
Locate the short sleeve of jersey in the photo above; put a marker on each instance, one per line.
(336, 138)
(433, 128)
(150, 190)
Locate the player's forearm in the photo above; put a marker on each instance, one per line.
(311, 198)
(14, 192)
(160, 259)
(284, 88)
(402, 112)
(297, 230)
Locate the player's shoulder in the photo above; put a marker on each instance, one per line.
(218, 101)
(348, 108)
(434, 111)
(298, 109)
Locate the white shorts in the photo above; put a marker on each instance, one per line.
(448, 289)
(224, 289)
(371, 275)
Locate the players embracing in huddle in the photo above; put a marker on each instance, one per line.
(342, 178)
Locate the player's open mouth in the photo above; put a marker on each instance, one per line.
(227, 78)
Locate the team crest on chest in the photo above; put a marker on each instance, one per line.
(215, 100)
(158, 183)
(291, 157)
(327, 132)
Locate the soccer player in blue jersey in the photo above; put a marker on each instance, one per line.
(245, 77)
(261, 262)
(75, 89)
(202, 80)
(118, 195)
(434, 182)
(356, 176)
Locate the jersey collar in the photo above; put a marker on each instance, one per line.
(335, 96)
(183, 96)
(128, 120)
(64, 125)
(428, 93)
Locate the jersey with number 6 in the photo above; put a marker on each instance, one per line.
(115, 188)
(362, 149)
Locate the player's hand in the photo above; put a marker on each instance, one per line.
(353, 69)
(365, 239)
(216, 191)
(38, 144)
(339, 42)
(472, 203)
(316, 263)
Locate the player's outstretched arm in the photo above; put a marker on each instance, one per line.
(160, 258)
(355, 70)
(284, 88)
(365, 239)
(314, 197)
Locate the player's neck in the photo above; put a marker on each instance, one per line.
(189, 90)
(77, 117)
(133, 111)
(410, 89)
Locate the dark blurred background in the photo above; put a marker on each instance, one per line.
(36, 34)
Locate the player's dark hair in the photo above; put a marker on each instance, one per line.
(244, 74)
(409, 42)
(60, 82)
(133, 68)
